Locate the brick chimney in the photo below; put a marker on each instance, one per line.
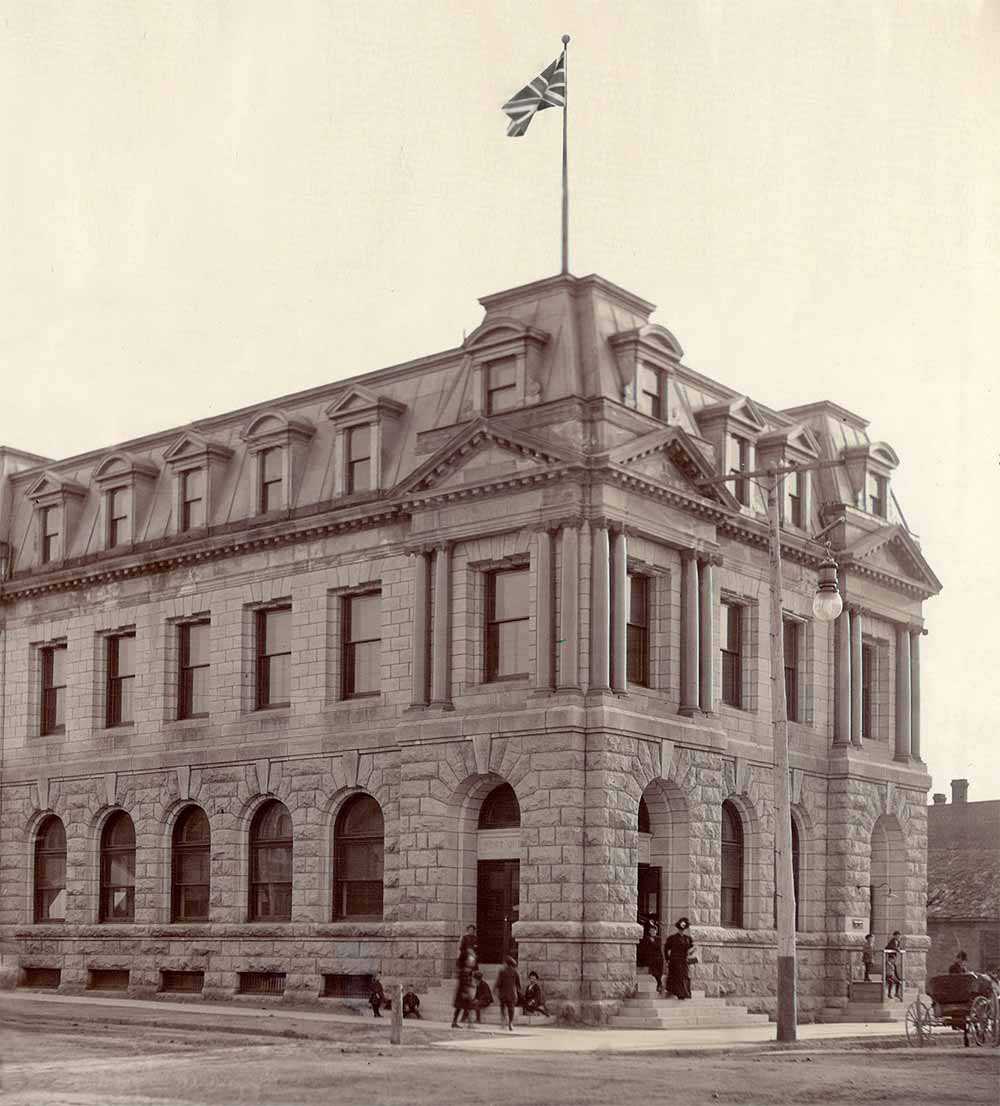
(939, 799)
(959, 791)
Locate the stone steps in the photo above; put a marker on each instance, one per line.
(649, 1010)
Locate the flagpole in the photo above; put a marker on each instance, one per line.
(565, 163)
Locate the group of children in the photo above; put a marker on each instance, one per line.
(472, 993)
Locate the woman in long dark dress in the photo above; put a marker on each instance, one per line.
(465, 990)
(678, 948)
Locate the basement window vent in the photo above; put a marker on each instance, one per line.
(185, 983)
(108, 979)
(262, 983)
(42, 977)
(338, 985)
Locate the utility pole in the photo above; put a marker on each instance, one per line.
(827, 606)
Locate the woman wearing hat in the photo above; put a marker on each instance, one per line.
(678, 948)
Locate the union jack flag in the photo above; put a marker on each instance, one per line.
(547, 90)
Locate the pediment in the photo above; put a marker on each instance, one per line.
(191, 446)
(121, 466)
(739, 409)
(891, 550)
(51, 485)
(480, 453)
(671, 456)
(795, 439)
(358, 401)
(502, 330)
(273, 423)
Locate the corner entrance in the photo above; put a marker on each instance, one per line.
(497, 909)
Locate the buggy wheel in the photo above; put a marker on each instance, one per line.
(982, 1022)
(918, 1024)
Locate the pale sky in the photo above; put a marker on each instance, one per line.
(207, 204)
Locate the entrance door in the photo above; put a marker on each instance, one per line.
(497, 908)
(648, 906)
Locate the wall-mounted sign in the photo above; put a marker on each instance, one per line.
(498, 844)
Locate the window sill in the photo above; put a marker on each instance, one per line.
(120, 726)
(269, 708)
(58, 731)
(522, 676)
(361, 695)
(187, 720)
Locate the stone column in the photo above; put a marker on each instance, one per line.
(842, 689)
(568, 650)
(690, 636)
(544, 607)
(902, 693)
(856, 677)
(707, 642)
(441, 653)
(915, 635)
(619, 613)
(421, 625)
(600, 608)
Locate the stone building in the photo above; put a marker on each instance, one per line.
(963, 880)
(300, 691)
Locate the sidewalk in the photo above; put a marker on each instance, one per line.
(274, 1021)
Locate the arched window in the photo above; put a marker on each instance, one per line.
(795, 869)
(50, 871)
(190, 878)
(732, 866)
(118, 869)
(359, 838)
(271, 864)
(500, 809)
(644, 823)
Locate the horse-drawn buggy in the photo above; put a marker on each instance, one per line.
(967, 1001)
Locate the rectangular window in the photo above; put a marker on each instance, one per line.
(637, 661)
(193, 499)
(119, 530)
(51, 545)
(793, 498)
(359, 459)
(121, 679)
(739, 461)
(53, 689)
(507, 624)
(274, 657)
(272, 466)
(876, 495)
(648, 397)
(867, 690)
(501, 386)
(192, 682)
(731, 634)
(791, 648)
(362, 625)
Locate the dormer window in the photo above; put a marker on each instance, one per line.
(794, 482)
(198, 467)
(359, 459)
(193, 499)
(119, 528)
(276, 445)
(876, 495)
(649, 389)
(50, 525)
(365, 428)
(272, 479)
(501, 386)
(739, 461)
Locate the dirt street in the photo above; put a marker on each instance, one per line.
(114, 1065)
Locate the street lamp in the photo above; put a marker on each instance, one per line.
(827, 606)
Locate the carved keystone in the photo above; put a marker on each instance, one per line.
(666, 758)
(796, 785)
(481, 746)
(263, 767)
(183, 781)
(350, 763)
(110, 788)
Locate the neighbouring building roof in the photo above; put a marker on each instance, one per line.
(963, 861)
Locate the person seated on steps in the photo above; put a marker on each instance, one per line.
(411, 1003)
(376, 996)
(534, 996)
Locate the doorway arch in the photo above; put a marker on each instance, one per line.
(498, 873)
(887, 879)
